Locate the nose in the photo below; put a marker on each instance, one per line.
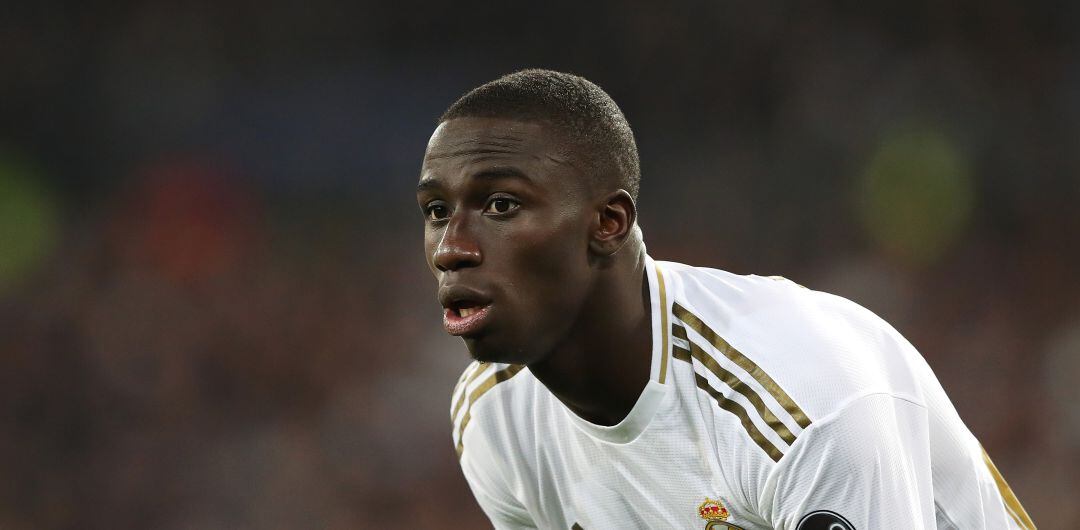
(457, 248)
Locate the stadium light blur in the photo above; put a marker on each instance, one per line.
(29, 221)
(915, 196)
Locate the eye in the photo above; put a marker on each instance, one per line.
(501, 205)
(436, 212)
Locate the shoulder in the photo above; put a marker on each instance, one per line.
(479, 385)
(811, 352)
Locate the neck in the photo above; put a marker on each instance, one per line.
(601, 369)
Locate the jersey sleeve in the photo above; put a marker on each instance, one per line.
(493, 496)
(479, 461)
(865, 466)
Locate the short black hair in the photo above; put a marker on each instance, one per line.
(578, 107)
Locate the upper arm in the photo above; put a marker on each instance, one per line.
(866, 466)
(483, 466)
(494, 496)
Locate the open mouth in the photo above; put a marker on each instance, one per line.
(465, 317)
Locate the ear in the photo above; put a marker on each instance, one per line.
(614, 221)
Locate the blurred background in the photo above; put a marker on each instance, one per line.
(214, 308)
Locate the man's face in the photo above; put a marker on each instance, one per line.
(506, 235)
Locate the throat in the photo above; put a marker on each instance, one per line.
(600, 375)
(603, 404)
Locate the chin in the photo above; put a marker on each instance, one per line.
(484, 350)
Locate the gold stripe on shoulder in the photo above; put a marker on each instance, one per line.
(481, 389)
(740, 387)
(744, 418)
(466, 374)
(663, 325)
(679, 332)
(1012, 504)
(680, 353)
(743, 362)
(467, 378)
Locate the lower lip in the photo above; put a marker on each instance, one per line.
(456, 324)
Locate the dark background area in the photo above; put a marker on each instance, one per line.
(214, 308)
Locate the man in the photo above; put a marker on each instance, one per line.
(614, 391)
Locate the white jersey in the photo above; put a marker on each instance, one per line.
(770, 406)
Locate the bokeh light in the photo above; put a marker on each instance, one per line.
(29, 220)
(186, 219)
(915, 196)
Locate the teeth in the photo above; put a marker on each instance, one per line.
(466, 311)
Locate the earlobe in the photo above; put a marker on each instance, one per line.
(615, 221)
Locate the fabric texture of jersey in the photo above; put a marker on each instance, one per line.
(770, 406)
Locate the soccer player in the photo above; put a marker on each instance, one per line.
(610, 390)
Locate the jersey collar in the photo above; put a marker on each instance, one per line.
(656, 389)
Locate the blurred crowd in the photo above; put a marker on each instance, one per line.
(214, 307)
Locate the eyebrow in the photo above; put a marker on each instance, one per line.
(489, 175)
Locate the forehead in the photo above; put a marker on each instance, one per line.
(462, 143)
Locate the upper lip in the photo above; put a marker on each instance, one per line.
(457, 296)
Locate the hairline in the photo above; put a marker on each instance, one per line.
(586, 121)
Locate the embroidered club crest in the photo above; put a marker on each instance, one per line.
(711, 510)
(716, 515)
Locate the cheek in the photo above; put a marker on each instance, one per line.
(556, 260)
(431, 241)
